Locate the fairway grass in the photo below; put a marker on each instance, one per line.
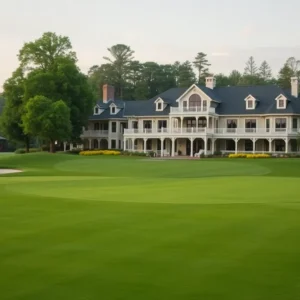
(124, 228)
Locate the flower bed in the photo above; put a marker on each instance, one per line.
(243, 155)
(99, 152)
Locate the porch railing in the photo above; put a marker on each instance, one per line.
(168, 130)
(94, 133)
(213, 131)
(188, 110)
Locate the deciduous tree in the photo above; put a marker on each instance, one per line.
(49, 69)
(185, 74)
(11, 117)
(47, 119)
(284, 78)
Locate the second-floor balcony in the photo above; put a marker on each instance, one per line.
(217, 132)
(94, 133)
(192, 110)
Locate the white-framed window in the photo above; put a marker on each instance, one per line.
(96, 110)
(250, 102)
(159, 105)
(281, 102)
(113, 109)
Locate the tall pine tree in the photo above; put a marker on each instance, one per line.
(201, 64)
(265, 71)
(251, 68)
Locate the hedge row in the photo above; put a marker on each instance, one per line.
(242, 155)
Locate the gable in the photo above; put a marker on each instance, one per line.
(194, 89)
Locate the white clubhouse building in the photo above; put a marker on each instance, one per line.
(183, 121)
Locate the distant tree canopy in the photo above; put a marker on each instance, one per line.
(47, 70)
(48, 75)
(135, 80)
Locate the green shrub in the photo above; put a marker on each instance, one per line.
(151, 154)
(31, 150)
(72, 152)
(218, 153)
(129, 153)
(20, 151)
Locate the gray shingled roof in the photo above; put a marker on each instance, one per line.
(231, 101)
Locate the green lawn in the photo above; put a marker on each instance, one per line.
(85, 228)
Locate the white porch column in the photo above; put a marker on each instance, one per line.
(71, 146)
(205, 146)
(213, 146)
(254, 145)
(181, 123)
(125, 146)
(90, 144)
(270, 145)
(99, 141)
(162, 140)
(145, 145)
(197, 118)
(236, 145)
(192, 146)
(132, 145)
(65, 146)
(286, 145)
(173, 147)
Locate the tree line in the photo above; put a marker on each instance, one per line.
(135, 80)
(49, 98)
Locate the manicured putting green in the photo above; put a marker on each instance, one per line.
(86, 228)
(194, 190)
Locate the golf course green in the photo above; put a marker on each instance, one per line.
(87, 228)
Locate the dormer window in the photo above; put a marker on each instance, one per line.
(250, 102)
(281, 102)
(113, 109)
(96, 110)
(159, 104)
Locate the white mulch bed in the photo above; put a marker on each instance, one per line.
(9, 171)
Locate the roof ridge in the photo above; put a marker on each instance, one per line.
(253, 85)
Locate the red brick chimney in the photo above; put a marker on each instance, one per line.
(108, 93)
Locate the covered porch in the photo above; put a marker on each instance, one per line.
(170, 146)
(284, 145)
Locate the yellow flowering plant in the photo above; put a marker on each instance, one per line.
(243, 155)
(99, 152)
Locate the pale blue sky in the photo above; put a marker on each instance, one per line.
(158, 30)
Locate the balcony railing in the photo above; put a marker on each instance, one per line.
(192, 110)
(168, 130)
(213, 131)
(255, 131)
(94, 133)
